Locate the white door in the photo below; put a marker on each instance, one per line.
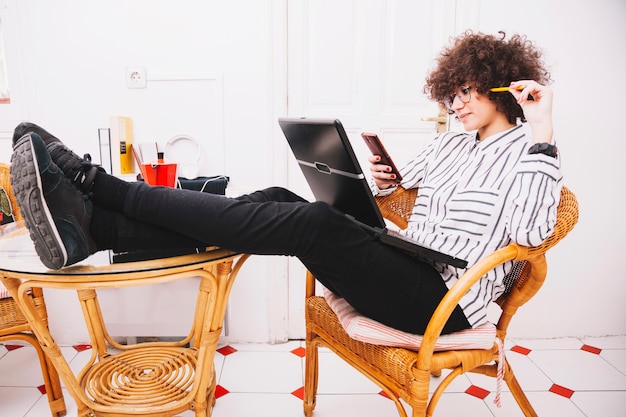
(363, 62)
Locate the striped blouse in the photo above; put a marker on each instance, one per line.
(478, 196)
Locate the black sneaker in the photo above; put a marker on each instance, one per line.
(56, 214)
(27, 127)
(79, 170)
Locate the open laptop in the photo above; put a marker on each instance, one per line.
(331, 169)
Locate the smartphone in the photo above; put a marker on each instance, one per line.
(376, 147)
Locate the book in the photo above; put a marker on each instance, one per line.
(104, 139)
(121, 135)
(146, 152)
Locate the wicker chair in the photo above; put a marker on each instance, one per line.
(13, 324)
(406, 373)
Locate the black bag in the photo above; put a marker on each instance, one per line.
(215, 185)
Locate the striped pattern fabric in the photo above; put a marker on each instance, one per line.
(366, 330)
(476, 197)
(4, 293)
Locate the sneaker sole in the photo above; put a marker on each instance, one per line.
(26, 182)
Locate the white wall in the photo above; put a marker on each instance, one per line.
(585, 48)
(75, 53)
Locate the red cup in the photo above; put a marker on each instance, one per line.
(160, 174)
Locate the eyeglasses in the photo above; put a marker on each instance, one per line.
(464, 94)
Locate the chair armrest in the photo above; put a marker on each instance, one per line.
(566, 218)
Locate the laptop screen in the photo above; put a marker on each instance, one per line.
(328, 162)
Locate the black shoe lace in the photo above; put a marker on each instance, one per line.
(81, 171)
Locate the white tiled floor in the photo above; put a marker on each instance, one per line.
(562, 377)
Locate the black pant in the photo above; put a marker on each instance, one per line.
(377, 280)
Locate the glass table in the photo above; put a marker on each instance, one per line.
(161, 378)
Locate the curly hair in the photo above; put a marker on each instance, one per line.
(484, 61)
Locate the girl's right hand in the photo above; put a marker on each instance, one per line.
(381, 173)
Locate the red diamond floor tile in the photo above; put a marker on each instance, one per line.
(301, 352)
(12, 347)
(591, 349)
(477, 392)
(299, 393)
(384, 394)
(81, 348)
(521, 350)
(220, 391)
(227, 350)
(562, 391)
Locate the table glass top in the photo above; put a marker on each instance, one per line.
(17, 254)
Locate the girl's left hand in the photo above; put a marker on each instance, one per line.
(536, 102)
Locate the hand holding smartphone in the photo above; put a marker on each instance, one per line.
(376, 147)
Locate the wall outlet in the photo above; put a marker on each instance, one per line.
(136, 77)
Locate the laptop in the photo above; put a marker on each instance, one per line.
(330, 167)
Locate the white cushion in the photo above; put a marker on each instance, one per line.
(4, 293)
(364, 329)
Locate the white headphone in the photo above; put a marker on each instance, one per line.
(186, 152)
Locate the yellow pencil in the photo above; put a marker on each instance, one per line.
(503, 89)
